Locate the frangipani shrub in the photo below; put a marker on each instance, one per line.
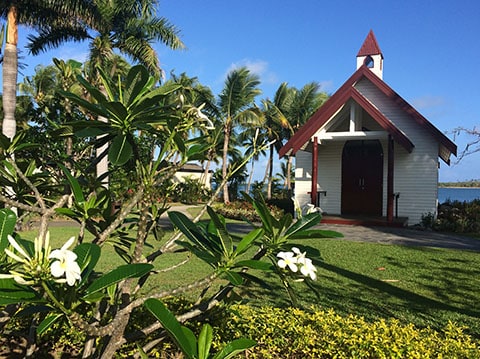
(55, 285)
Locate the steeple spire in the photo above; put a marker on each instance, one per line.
(371, 55)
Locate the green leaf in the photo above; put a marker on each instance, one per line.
(142, 353)
(225, 238)
(197, 152)
(7, 226)
(235, 347)
(205, 341)
(74, 184)
(265, 216)
(201, 253)
(135, 82)
(120, 151)
(247, 240)
(118, 274)
(13, 293)
(234, 277)
(48, 322)
(66, 212)
(255, 264)
(188, 228)
(88, 255)
(25, 146)
(173, 327)
(4, 141)
(93, 108)
(118, 113)
(96, 93)
(304, 223)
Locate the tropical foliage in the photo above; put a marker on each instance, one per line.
(318, 333)
(64, 285)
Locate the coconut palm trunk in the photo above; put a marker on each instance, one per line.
(226, 197)
(10, 70)
(102, 165)
(250, 177)
(270, 174)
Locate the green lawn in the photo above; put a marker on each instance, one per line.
(425, 286)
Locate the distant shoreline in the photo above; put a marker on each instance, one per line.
(472, 187)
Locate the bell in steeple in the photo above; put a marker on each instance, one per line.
(370, 55)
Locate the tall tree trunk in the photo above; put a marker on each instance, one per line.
(10, 70)
(270, 173)
(102, 165)
(249, 183)
(205, 178)
(226, 198)
(267, 168)
(289, 170)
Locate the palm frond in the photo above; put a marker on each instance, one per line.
(49, 38)
(241, 88)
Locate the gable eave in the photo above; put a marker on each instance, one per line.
(325, 113)
(412, 112)
(347, 91)
(322, 115)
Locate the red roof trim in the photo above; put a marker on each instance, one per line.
(341, 96)
(320, 117)
(370, 46)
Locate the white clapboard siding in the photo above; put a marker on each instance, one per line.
(329, 177)
(303, 177)
(415, 173)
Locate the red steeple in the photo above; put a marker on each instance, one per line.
(370, 46)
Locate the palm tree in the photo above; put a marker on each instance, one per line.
(252, 139)
(129, 26)
(235, 107)
(302, 106)
(60, 15)
(284, 174)
(276, 122)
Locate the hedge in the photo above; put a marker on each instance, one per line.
(294, 333)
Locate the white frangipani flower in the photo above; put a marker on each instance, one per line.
(204, 117)
(308, 269)
(287, 259)
(65, 264)
(296, 260)
(26, 258)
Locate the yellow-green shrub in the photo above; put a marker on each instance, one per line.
(295, 333)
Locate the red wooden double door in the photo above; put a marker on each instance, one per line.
(362, 178)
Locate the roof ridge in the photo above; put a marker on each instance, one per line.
(370, 46)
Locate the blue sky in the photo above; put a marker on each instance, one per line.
(431, 51)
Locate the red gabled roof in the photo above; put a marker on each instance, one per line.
(348, 91)
(370, 46)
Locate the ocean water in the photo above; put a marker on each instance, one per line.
(444, 193)
(458, 194)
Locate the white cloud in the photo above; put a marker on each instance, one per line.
(257, 67)
(326, 85)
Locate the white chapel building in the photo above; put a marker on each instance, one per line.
(367, 152)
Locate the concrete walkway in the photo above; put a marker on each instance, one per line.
(383, 235)
(404, 236)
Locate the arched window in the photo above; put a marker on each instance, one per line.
(368, 62)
